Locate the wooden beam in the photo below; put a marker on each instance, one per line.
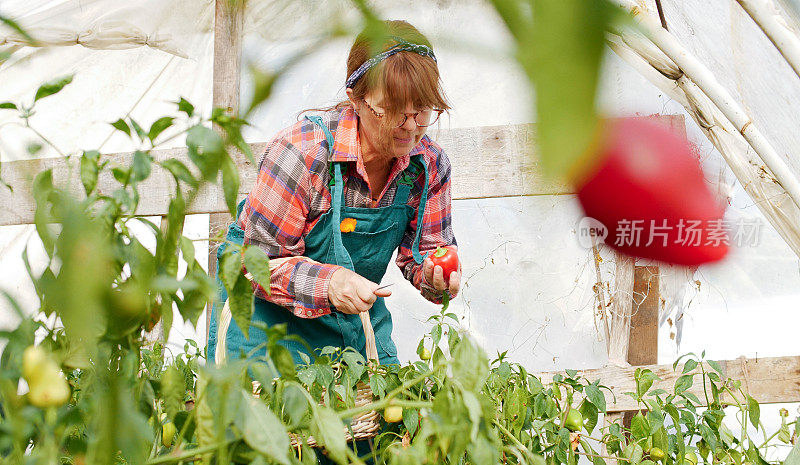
(487, 161)
(769, 380)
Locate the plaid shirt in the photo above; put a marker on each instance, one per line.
(291, 194)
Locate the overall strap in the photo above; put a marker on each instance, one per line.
(337, 199)
(406, 181)
(420, 211)
(316, 119)
(337, 195)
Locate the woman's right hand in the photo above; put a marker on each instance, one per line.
(352, 293)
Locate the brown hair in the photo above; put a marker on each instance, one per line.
(404, 78)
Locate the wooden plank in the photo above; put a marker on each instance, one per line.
(643, 340)
(643, 344)
(228, 23)
(487, 161)
(621, 307)
(228, 27)
(769, 380)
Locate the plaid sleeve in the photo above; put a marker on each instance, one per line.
(274, 219)
(437, 228)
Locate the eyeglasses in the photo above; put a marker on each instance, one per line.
(423, 118)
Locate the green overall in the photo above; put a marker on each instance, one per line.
(367, 250)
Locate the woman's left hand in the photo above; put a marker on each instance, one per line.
(434, 276)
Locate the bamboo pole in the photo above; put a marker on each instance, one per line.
(776, 30)
(706, 81)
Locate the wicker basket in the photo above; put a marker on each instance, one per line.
(365, 425)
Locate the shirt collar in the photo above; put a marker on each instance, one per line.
(347, 145)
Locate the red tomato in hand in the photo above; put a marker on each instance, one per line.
(447, 259)
(648, 190)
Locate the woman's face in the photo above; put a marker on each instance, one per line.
(382, 133)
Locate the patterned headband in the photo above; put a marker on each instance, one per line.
(402, 46)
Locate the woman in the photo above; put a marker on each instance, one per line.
(336, 194)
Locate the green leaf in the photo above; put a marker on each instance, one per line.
(590, 415)
(708, 436)
(715, 365)
(140, 169)
(562, 58)
(206, 150)
(436, 334)
(690, 365)
(52, 87)
(187, 249)
(158, 127)
(355, 361)
(166, 315)
(633, 452)
(644, 381)
(283, 360)
(8, 105)
(595, 397)
(513, 404)
(89, 170)
(230, 183)
(470, 366)
(185, 107)
(230, 267)
(172, 390)
(754, 411)
(307, 374)
(328, 429)
(683, 383)
(179, 171)
(655, 420)
(262, 430)
(474, 412)
(262, 88)
(639, 426)
(139, 131)
(206, 423)
(727, 435)
(241, 300)
(167, 247)
(378, 385)
(411, 419)
(121, 125)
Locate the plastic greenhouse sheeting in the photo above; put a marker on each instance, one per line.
(527, 282)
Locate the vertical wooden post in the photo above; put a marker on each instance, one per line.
(634, 322)
(621, 308)
(643, 346)
(228, 26)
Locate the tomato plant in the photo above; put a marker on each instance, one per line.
(120, 400)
